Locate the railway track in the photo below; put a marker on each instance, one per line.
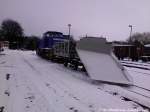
(136, 63)
(137, 89)
(133, 95)
(134, 66)
(140, 72)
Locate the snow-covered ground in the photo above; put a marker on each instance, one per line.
(38, 85)
(140, 73)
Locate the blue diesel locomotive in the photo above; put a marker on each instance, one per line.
(59, 48)
(46, 44)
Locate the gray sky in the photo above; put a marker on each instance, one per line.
(109, 18)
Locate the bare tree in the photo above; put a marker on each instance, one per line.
(140, 37)
(12, 31)
(31, 42)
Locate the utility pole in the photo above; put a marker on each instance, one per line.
(130, 26)
(69, 26)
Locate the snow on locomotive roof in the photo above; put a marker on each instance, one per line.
(52, 32)
(122, 45)
(147, 45)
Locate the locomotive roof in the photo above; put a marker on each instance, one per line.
(53, 32)
(122, 45)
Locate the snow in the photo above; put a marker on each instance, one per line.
(140, 79)
(141, 76)
(130, 93)
(138, 64)
(38, 85)
(3, 88)
(147, 45)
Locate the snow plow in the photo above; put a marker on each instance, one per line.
(90, 54)
(100, 63)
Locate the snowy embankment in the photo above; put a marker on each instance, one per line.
(37, 85)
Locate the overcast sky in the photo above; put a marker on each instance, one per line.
(109, 18)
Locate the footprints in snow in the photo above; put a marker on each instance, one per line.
(3, 62)
(7, 76)
(7, 92)
(49, 86)
(73, 109)
(76, 110)
(134, 105)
